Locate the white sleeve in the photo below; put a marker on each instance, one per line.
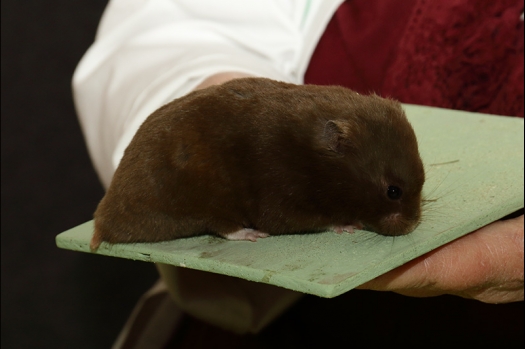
(148, 52)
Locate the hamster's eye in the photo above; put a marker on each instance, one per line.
(394, 192)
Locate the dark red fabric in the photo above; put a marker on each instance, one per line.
(459, 54)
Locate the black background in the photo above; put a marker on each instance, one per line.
(53, 298)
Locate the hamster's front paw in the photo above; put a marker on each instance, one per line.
(339, 229)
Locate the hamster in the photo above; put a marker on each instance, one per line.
(255, 157)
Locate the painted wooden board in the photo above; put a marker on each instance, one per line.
(475, 175)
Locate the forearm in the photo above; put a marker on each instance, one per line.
(220, 78)
(151, 52)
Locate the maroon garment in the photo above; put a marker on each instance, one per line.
(459, 54)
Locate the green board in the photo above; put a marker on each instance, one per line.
(474, 165)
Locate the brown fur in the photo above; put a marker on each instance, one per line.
(257, 153)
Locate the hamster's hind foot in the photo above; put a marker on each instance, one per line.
(246, 234)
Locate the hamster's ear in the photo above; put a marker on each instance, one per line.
(336, 135)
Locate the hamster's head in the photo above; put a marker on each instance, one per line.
(379, 150)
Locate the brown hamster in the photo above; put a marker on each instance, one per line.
(255, 157)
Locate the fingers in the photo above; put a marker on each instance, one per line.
(486, 265)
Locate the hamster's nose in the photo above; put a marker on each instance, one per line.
(396, 224)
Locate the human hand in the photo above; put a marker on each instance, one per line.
(486, 265)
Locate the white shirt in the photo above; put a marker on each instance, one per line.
(148, 52)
